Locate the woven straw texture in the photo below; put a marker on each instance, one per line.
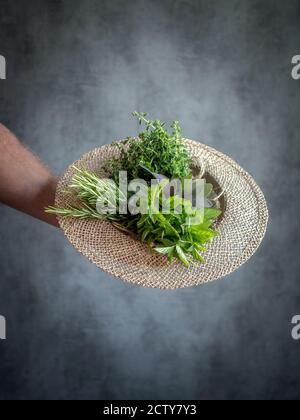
(242, 228)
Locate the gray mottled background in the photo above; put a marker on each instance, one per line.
(76, 69)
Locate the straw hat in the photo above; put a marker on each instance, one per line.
(241, 228)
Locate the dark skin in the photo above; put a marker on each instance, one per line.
(26, 184)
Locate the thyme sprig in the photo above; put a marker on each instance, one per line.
(157, 149)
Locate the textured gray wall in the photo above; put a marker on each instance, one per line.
(76, 69)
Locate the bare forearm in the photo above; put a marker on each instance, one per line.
(25, 183)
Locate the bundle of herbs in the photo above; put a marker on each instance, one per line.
(155, 155)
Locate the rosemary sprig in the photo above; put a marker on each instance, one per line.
(89, 188)
(84, 212)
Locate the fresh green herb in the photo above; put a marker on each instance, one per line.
(163, 156)
(89, 188)
(156, 149)
(172, 234)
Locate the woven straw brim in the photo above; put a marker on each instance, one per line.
(241, 229)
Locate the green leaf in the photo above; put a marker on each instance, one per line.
(197, 256)
(202, 235)
(199, 247)
(145, 234)
(186, 246)
(171, 255)
(182, 256)
(212, 214)
(167, 242)
(165, 250)
(142, 221)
